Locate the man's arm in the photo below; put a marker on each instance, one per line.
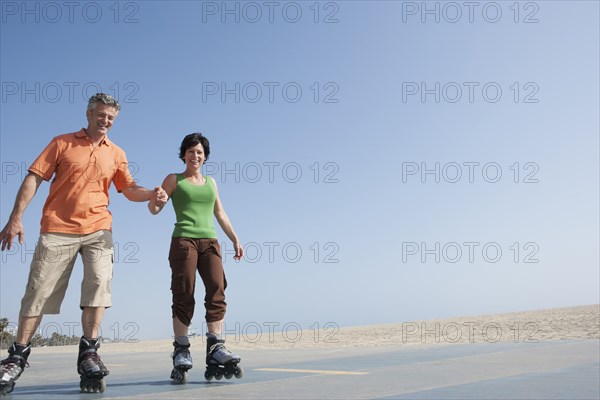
(138, 193)
(14, 226)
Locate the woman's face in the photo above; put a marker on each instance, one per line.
(194, 156)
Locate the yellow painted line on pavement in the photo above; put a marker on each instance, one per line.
(312, 371)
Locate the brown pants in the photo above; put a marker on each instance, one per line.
(185, 257)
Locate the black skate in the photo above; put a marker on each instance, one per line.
(182, 362)
(90, 368)
(221, 362)
(12, 367)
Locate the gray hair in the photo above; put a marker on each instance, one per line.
(104, 99)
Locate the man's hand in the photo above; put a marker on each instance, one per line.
(160, 196)
(13, 228)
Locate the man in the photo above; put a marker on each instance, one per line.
(75, 220)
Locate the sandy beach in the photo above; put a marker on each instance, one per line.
(578, 322)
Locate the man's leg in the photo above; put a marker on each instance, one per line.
(89, 365)
(27, 328)
(47, 283)
(97, 256)
(91, 318)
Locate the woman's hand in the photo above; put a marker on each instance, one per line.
(239, 251)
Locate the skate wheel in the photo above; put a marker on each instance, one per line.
(84, 387)
(208, 376)
(6, 388)
(182, 377)
(228, 375)
(92, 385)
(238, 372)
(179, 376)
(218, 376)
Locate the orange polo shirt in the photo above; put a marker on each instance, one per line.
(78, 199)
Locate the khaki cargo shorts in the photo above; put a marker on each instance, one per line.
(52, 265)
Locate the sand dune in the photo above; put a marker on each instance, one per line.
(579, 322)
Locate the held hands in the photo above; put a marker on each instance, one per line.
(160, 197)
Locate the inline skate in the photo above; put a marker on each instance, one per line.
(182, 362)
(220, 362)
(90, 368)
(13, 366)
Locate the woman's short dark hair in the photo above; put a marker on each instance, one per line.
(192, 140)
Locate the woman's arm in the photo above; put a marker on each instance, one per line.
(226, 225)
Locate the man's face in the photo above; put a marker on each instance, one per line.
(101, 118)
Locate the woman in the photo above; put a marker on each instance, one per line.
(194, 246)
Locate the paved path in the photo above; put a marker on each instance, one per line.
(551, 370)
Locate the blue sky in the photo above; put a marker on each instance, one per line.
(379, 165)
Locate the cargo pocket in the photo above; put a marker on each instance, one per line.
(177, 283)
(178, 254)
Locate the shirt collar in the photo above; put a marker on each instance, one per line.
(82, 134)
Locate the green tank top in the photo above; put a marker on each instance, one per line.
(194, 206)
